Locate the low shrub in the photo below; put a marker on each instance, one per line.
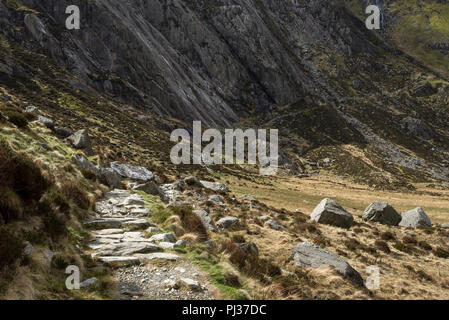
(441, 253)
(10, 205)
(387, 235)
(425, 245)
(382, 246)
(89, 174)
(76, 194)
(11, 248)
(17, 118)
(191, 222)
(20, 174)
(409, 240)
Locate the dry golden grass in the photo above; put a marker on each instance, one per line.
(427, 279)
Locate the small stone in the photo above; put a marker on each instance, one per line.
(88, 282)
(228, 222)
(46, 122)
(163, 237)
(273, 224)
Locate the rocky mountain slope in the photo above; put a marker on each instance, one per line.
(262, 63)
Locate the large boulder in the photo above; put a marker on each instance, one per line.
(330, 212)
(132, 172)
(383, 213)
(415, 218)
(109, 177)
(81, 140)
(217, 187)
(308, 255)
(207, 221)
(127, 249)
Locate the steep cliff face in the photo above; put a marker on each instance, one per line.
(309, 68)
(205, 60)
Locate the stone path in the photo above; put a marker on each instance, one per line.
(146, 267)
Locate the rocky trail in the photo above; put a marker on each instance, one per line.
(143, 257)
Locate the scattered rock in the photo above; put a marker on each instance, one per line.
(81, 140)
(46, 122)
(181, 244)
(217, 187)
(308, 255)
(383, 213)
(88, 282)
(415, 218)
(153, 230)
(248, 198)
(330, 212)
(152, 188)
(29, 249)
(163, 237)
(32, 110)
(273, 224)
(189, 284)
(83, 163)
(216, 198)
(445, 225)
(132, 172)
(228, 222)
(207, 221)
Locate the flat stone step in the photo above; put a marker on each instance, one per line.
(127, 249)
(108, 231)
(116, 223)
(119, 261)
(157, 255)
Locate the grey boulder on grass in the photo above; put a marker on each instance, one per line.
(330, 212)
(415, 218)
(308, 255)
(383, 213)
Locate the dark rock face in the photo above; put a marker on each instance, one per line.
(417, 128)
(424, 90)
(383, 213)
(308, 255)
(193, 60)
